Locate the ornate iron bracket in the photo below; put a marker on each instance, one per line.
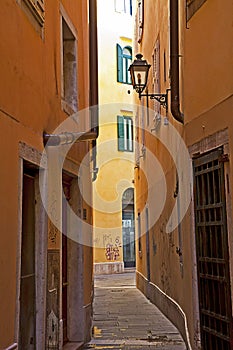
(161, 98)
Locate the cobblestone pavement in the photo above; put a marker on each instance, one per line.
(124, 319)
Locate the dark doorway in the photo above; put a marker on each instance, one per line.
(212, 252)
(66, 183)
(147, 245)
(128, 231)
(27, 326)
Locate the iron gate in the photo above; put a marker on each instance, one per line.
(212, 252)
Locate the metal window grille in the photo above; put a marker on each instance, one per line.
(212, 252)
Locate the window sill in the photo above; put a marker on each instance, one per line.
(124, 82)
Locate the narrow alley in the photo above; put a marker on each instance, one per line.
(125, 319)
(116, 181)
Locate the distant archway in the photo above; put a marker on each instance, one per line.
(128, 230)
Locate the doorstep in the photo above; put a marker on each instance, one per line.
(72, 346)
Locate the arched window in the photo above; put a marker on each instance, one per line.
(124, 60)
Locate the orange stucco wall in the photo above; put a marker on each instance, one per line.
(206, 99)
(30, 103)
(208, 58)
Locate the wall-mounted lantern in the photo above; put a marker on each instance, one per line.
(139, 70)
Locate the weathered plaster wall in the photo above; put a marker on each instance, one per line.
(30, 103)
(206, 101)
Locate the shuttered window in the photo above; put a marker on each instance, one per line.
(119, 64)
(156, 74)
(124, 60)
(37, 9)
(140, 19)
(192, 6)
(125, 133)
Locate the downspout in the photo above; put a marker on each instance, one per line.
(67, 138)
(93, 79)
(174, 61)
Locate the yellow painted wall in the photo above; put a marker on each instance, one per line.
(115, 168)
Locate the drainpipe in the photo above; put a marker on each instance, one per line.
(174, 61)
(93, 82)
(67, 138)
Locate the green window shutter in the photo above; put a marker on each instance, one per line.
(119, 64)
(132, 135)
(120, 133)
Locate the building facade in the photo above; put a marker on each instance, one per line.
(184, 214)
(46, 274)
(114, 188)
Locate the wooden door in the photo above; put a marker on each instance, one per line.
(66, 188)
(27, 337)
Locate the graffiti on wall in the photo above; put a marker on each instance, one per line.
(112, 248)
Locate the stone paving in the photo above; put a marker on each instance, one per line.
(124, 319)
